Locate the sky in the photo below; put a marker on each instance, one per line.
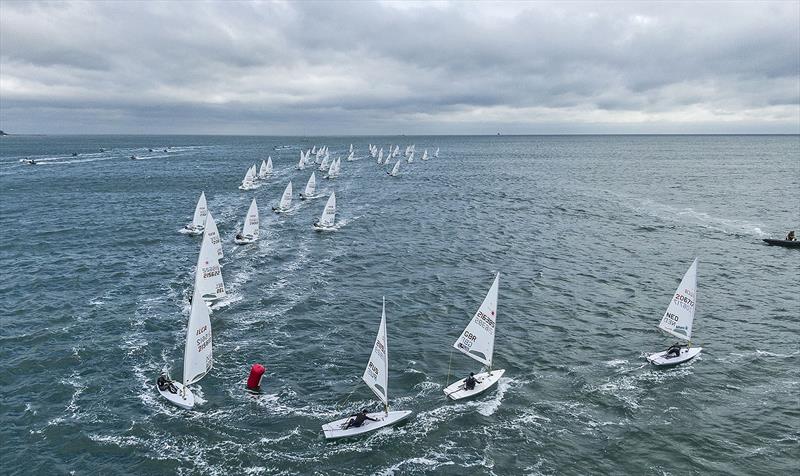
(350, 68)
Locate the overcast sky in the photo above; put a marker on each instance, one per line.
(306, 68)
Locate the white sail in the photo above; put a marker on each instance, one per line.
(247, 182)
(314, 150)
(352, 156)
(250, 228)
(436, 154)
(302, 164)
(329, 213)
(262, 171)
(324, 165)
(678, 318)
(213, 234)
(269, 165)
(310, 186)
(351, 148)
(477, 340)
(425, 155)
(411, 158)
(376, 375)
(395, 169)
(200, 211)
(208, 275)
(396, 151)
(286, 198)
(197, 355)
(380, 155)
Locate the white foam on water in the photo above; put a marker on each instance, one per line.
(427, 463)
(489, 407)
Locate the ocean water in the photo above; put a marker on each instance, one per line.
(591, 235)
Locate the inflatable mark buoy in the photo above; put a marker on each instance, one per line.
(254, 380)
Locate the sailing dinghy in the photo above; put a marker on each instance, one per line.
(302, 164)
(286, 200)
(376, 376)
(249, 232)
(326, 220)
(248, 183)
(198, 359)
(395, 169)
(311, 186)
(477, 341)
(677, 322)
(266, 168)
(198, 223)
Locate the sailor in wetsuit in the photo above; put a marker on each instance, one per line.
(239, 236)
(470, 382)
(790, 236)
(165, 384)
(674, 350)
(359, 419)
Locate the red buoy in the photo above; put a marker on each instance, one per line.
(254, 380)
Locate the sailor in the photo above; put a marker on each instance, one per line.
(470, 382)
(239, 236)
(165, 384)
(790, 236)
(358, 419)
(674, 350)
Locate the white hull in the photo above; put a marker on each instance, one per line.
(193, 231)
(280, 210)
(243, 242)
(308, 197)
(660, 358)
(185, 401)
(336, 429)
(323, 228)
(456, 391)
(247, 187)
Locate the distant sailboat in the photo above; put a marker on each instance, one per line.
(351, 148)
(311, 186)
(436, 154)
(410, 157)
(326, 220)
(266, 168)
(477, 342)
(376, 376)
(302, 164)
(248, 183)
(324, 165)
(380, 156)
(395, 169)
(351, 157)
(425, 155)
(249, 232)
(198, 223)
(286, 200)
(333, 170)
(198, 357)
(677, 322)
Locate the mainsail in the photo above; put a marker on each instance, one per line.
(477, 340)
(376, 375)
(678, 318)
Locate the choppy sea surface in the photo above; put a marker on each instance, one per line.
(591, 235)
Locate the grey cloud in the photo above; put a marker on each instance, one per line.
(353, 67)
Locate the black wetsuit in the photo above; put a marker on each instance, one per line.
(358, 420)
(469, 384)
(674, 351)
